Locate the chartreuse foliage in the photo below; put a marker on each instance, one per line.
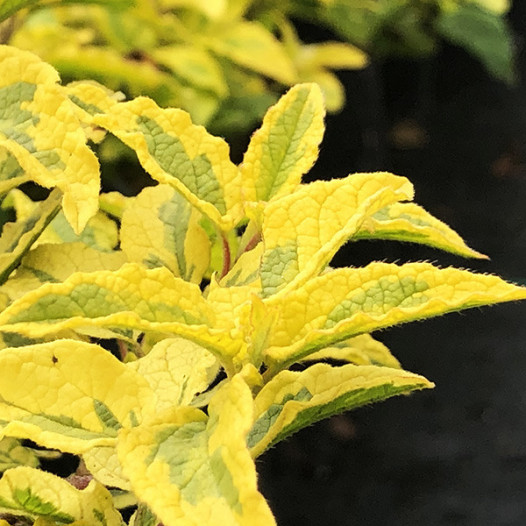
(226, 61)
(221, 282)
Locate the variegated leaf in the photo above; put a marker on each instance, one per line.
(293, 400)
(69, 395)
(18, 237)
(302, 231)
(286, 145)
(161, 228)
(39, 127)
(130, 298)
(410, 222)
(350, 301)
(177, 370)
(192, 469)
(177, 152)
(37, 495)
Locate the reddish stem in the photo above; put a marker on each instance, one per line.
(226, 257)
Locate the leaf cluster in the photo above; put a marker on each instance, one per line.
(226, 61)
(207, 286)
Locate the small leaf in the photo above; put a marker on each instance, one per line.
(39, 126)
(252, 46)
(293, 400)
(410, 222)
(33, 493)
(13, 454)
(160, 228)
(350, 301)
(334, 55)
(11, 173)
(190, 469)
(302, 231)
(176, 152)
(69, 395)
(286, 145)
(18, 237)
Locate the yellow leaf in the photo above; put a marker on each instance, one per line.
(11, 173)
(100, 232)
(102, 462)
(130, 298)
(39, 126)
(176, 152)
(69, 395)
(350, 301)
(190, 469)
(54, 263)
(252, 46)
(177, 370)
(293, 400)
(331, 87)
(334, 55)
(360, 350)
(160, 228)
(194, 66)
(13, 454)
(114, 203)
(302, 231)
(36, 494)
(286, 145)
(18, 237)
(410, 222)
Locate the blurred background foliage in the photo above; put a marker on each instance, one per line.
(226, 61)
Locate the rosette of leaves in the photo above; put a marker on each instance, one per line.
(221, 282)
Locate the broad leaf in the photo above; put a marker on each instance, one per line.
(293, 400)
(39, 126)
(130, 298)
(351, 301)
(36, 494)
(176, 152)
(190, 469)
(286, 145)
(69, 395)
(51, 263)
(302, 231)
(410, 222)
(161, 228)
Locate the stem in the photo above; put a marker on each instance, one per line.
(254, 240)
(226, 256)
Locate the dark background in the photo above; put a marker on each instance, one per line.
(455, 455)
